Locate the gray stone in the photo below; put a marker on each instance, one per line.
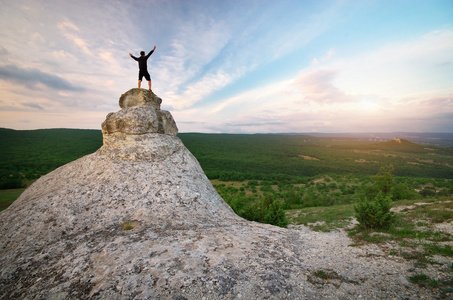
(168, 123)
(140, 114)
(138, 97)
(145, 147)
(134, 120)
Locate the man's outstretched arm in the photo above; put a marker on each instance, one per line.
(132, 56)
(151, 52)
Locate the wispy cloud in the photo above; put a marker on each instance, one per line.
(3, 51)
(36, 78)
(318, 98)
(70, 31)
(399, 68)
(214, 52)
(189, 70)
(33, 105)
(441, 103)
(317, 86)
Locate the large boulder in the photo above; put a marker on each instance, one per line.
(139, 97)
(136, 131)
(140, 114)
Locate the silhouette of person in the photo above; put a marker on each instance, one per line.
(143, 67)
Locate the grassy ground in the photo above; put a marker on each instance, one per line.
(8, 196)
(422, 234)
(322, 218)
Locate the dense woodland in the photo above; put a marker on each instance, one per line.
(28, 154)
(25, 155)
(292, 157)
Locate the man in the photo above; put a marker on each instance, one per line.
(143, 67)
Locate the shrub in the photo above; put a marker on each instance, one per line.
(128, 225)
(276, 215)
(368, 191)
(423, 280)
(374, 213)
(253, 183)
(252, 212)
(401, 191)
(443, 193)
(292, 199)
(11, 182)
(428, 192)
(384, 179)
(266, 188)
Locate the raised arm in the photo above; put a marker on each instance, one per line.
(151, 52)
(133, 56)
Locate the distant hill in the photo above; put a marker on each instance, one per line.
(441, 139)
(400, 145)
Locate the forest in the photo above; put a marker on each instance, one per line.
(294, 157)
(28, 154)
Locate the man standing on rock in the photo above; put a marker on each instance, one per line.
(143, 67)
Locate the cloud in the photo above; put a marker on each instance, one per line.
(204, 87)
(70, 31)
(432, 111)
(316, 100)
(3, 51)
(326, 57)
(399, 69)
(317, 86)
(439, 102)
(211, 52)
(265, 123)
(190, 122)
(33, 105)
(185, 71)
(35, 77)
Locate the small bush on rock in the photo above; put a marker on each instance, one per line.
(128, 225)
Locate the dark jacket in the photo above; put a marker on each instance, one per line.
(142, 65)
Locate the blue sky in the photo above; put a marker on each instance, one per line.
(232, 66)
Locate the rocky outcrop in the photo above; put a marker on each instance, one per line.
(138, 219)
(140, 130)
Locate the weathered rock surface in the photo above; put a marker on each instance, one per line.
(138, 219)
(139, 97)
(140, 114)
(140, 130)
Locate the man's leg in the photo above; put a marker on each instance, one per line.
(147, 77)
(139, 83)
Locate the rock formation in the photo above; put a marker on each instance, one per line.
(138, 219)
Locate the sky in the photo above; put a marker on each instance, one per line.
(227, 66)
